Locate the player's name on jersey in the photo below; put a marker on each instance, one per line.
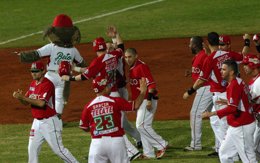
(105, 110)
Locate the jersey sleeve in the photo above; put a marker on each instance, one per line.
(124, 105)
(78, 58)
(146, 73)
(92, 70)
(255, 92)
(47, 92)
(206, 69)
(84, 120)
(45, 50)
(236, 56)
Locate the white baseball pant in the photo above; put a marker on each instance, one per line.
(131, 149)
(108, 150)
(257, 140)
(50, 130)
(219, 126)
(55, 78)
(238, 140)
(149, 137)
(129, 129)
(202, 102)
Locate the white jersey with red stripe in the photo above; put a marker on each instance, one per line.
(57, 54)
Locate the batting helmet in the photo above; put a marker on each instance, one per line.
(252, 61)
(64, 68)
(62, 20)
(99, 84)
(99, 44)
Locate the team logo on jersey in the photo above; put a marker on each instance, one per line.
(62, 57)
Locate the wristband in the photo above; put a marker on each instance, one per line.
(150, 96)
(191, 91)
(247, 42)
(72, 78)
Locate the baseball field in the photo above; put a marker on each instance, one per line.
(158, 29)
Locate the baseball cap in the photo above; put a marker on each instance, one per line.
(99, 84)
(37, 66)
(62, 20)
(224, 40)
(251, 60)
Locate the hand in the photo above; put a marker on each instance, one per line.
(246, 36)
(111, 31)
(187, 73)
(143, 85)
(256, 39)
(149, 105)
(186, 96)
(222, 101)
(16, 53)
(65, 78)
(206, 114)
(18, 94)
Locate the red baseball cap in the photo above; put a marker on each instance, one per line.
(62, 20)
(38, 65)
(251, 60)
(224, 40)
(99, 84)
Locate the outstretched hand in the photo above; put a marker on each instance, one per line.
(111, 31)
(143, 85)
(18, 94)
(65, 78)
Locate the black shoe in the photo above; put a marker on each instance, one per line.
(213, 154)
(137, 155)
(139, 145)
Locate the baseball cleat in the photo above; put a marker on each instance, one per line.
(137, 155)
(213, 154)
(189, 148)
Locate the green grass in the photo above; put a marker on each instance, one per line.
(169, 18)
(14, 139)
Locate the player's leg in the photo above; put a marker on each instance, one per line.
(35, 142)
(51, 129)
(98, 151)
(202, 101)
(144, 125)
(117, 152)
(227, 149)
(257, 140)
(59, 88)
(132, 151)
(129, 129)
(243, 139)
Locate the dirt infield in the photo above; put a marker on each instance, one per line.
(167, 58)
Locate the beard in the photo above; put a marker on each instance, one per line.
(193, 51)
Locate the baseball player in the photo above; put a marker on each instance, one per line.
(102, 116)
(145, 113)
(105, 65)
(46, 124)
(256, 39)
(239, 135)
(63, 36)
(252, 68)
(117, 42)
(203, 98)
(211, 72)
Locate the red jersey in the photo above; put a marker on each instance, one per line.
(105, 65)
(254, 86)
(103, 116)
(212, 67)
(197, 63)
(239, 109)
(42, 91)
(137, 71)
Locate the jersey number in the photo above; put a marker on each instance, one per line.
(99, 122)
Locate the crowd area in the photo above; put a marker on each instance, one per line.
(231, 104)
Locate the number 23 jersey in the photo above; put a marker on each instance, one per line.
(103, 116)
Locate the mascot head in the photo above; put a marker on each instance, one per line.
(62, 32)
